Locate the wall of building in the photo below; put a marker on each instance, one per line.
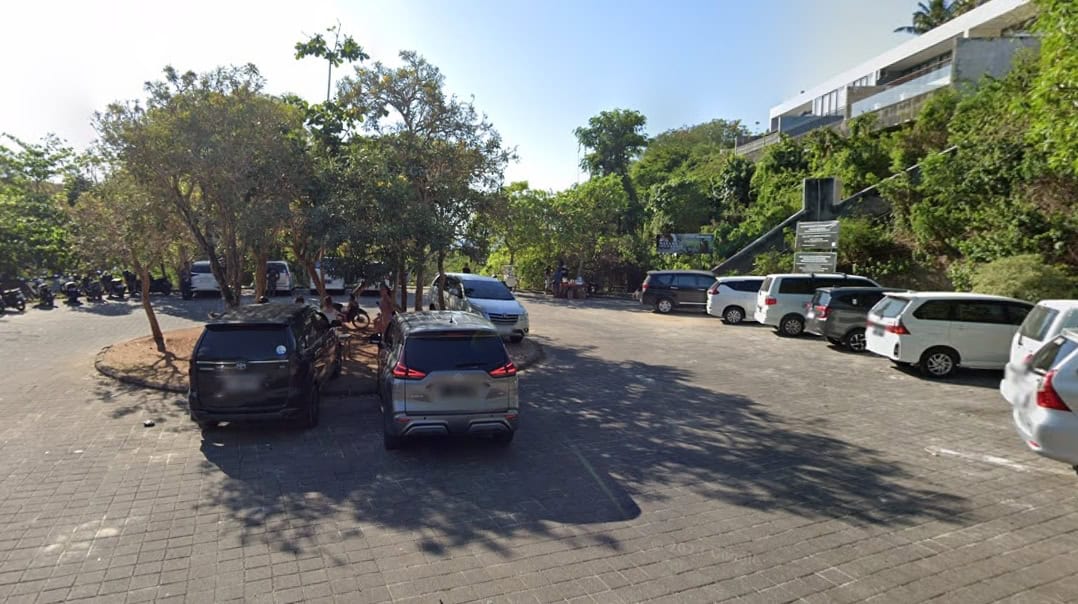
(975, 58)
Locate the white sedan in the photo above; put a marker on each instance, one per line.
(1043, 392)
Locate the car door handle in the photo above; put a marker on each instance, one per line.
(673, 287)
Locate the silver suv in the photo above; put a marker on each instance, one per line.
(445, 372)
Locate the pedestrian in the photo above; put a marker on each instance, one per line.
(386, 309)
(330, 310)
(272, 277)
(466, 269)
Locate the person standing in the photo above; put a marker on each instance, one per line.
(272, 277)
(386, 309)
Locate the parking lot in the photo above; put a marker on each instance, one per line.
(659, 457)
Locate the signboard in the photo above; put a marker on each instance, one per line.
(815, 262)
(684, 243)
(817, 236)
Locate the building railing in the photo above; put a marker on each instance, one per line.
(917, 86)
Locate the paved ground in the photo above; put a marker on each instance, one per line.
(667, 457)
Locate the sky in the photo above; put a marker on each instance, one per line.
(537, 69)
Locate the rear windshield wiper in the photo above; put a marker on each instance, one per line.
(468, 365)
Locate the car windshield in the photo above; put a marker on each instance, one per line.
(487, 290)
(454, 351)
(890, 307)
(280, 267)
(243, 342)
(822, 298)
(1037, 322)
(200, 268)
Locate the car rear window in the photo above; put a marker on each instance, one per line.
(1037, 322)
(456, 350)
(244, 342)
(660, 280)
(280, 267)
(766, 286)
(1053, 352)
(890, 307)
(751, 285)
(822, 298)
(200, 268)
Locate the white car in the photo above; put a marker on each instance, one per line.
(732, 298)
(1043, 393)
(782, 298)
(202, 279)
(940, 331)
(486, 296)
(1047, 319)
(324, 268)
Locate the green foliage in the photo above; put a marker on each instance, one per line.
(773, 262)
(613, 139)
(1054, 124)
(937, 12)
(33, 226)
(1026, 277)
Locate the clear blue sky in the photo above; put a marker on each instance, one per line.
(538, 69)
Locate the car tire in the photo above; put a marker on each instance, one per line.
(310, 417)
(791, 326)
(207, 425)
(833, 341)
(855, 340)
(663, 306)
(733, 315)
(504, 439)
(390, 442)
(939, 362)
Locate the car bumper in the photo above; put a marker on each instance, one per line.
(1049, 433)
(520, 328)
(200, 414)
(760, 316)
(480, 424)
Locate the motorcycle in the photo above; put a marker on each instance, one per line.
(44, 295)
(355, 315)
(72, 291)
(114, 286)
(94, 291)
(13, 298)
(157, 286)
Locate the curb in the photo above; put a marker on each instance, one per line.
(120, 376)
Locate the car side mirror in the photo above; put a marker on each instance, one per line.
(376, 339)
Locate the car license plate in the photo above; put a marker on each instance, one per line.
(457, 391)
(242, 383)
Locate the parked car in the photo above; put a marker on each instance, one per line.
(285, 281)
(1043, 393)
(202, 279)
(1047, 319)
(782, 298)
(445, 372)
(325, 271)
(666, 291)
(732, 298)
(262, 362)
(940, 331)
(484, 296)
(839, 314)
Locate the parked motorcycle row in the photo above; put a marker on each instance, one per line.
(96, 287)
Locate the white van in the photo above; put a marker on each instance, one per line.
(1047, 319)
(781, 299)
(732, 297)
(324, 268)
(941, 330)
(202, 279)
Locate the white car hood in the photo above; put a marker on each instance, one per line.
(498, 307)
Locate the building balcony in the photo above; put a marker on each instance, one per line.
(912, 87)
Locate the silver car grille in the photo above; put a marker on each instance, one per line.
(503, 319)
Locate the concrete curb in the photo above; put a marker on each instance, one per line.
(532, 354)
(118, 375)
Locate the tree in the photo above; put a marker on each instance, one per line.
(935, 13)
(613, 139)
(119, 222)
(341, 51)
(33, 226)
(449, 155)
(219, 151)
(1054, 126)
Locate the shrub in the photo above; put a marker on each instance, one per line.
(1026, 277)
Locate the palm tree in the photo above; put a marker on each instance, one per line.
(937, 12)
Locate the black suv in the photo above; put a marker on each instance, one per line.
(262, 362)
(669, 290)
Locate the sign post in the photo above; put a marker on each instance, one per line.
(816, 247)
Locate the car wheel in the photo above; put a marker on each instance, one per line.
(834, 341)
(733, 315)
(390, 441)
(664, 305)
(504, 439)
(310, 419)
(791, 326)
(21, 306)
(855, 340)
(939, 362)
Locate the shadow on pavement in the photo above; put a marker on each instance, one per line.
(598, 441)
(980, 378)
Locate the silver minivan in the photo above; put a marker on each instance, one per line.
(782, 298)
(445, 372)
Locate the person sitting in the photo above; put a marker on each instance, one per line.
(263, 300)
(330, 310)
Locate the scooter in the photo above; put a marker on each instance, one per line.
(115, 288)
(44, 296)
(71, 290)
(160, 285)
(94, 291)
(354, 315)
(13, 298)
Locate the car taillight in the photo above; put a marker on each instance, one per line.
(898, 328)
(714, 289)
(1047, 396)
(821, 311)
(644, 286)
(402, 371)
(507, 370)
(771, 301)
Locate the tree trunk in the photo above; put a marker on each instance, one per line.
(261, 285)
(419, 288)
(441, 280)
(402, 285)
(155, 328)
(309, 265)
